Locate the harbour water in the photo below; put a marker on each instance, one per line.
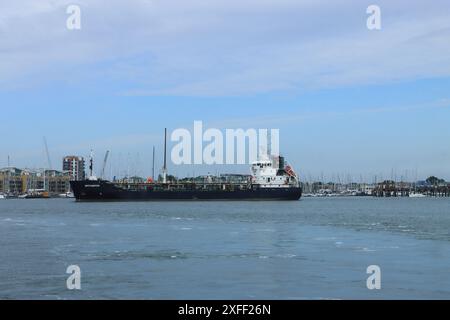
(317, 248)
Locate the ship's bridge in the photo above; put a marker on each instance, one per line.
(264, 168)
(266, 175)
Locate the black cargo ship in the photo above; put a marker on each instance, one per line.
(271, 179)
(101, 190)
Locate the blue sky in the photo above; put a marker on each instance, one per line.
(348, 101)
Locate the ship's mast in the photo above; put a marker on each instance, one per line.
(269, 145)
(91, 164)
(165, 157)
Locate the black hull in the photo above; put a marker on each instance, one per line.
(107, 191)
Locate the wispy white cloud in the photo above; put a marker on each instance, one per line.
(276, 120)
(204, 48)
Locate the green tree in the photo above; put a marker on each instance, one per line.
(434, 180)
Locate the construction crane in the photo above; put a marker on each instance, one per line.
(104, 164)
(49, 162)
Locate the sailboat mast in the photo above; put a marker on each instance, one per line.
(165, 157)
(153, 166)
(8, 177)
(45, 185)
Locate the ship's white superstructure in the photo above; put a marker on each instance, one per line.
(273, 174)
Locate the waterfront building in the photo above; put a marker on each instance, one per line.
(75, 166)
(11, 181)
(15, 181)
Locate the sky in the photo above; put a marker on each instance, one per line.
(351, 103)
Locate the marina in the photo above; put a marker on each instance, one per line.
(384, 189)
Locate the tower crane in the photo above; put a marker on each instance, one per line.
(104, 165)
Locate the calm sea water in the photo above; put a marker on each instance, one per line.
(311, 249)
